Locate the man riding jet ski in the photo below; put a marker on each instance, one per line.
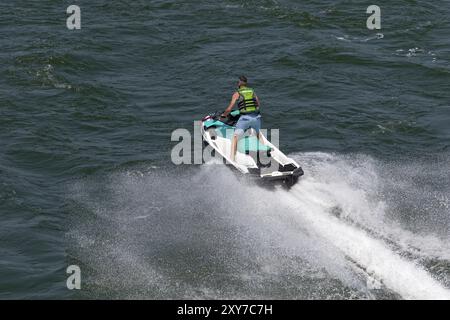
(248, 104)
(236, 136)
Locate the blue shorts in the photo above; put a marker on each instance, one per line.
(247, 121)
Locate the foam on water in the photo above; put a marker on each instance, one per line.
(208, 233)
(333, 181)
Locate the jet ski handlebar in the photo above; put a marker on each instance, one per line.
(218, 115)
(232, 116)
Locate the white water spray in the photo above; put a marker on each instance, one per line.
(205, 233)
(330, 184)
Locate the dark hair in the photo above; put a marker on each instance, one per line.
(243, 79)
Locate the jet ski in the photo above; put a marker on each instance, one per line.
(263, 161)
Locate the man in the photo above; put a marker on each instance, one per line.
(248, 104)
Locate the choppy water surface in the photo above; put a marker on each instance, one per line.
(85, 174)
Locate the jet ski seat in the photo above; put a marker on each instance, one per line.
(247, 144)
(251, 144)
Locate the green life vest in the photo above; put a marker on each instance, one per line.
(247, 101)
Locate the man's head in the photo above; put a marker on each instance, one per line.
(242, 81)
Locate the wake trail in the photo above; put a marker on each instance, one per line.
(317, 240)
(311, 200)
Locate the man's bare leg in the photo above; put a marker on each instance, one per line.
(234, 147)
(260, 137)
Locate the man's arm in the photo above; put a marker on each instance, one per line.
(234, 98)
(257, 100)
